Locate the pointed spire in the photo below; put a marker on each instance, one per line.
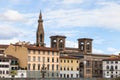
(40, 17)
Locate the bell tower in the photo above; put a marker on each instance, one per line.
(40, 32)
(85, 45)
(58, 42)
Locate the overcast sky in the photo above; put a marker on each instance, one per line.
(96, 19)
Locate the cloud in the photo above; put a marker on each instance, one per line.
(72, 2)
(8, 32)
(14, 40)
(64, 33)
(106, 17)
(71, 44)
(110, 49)
(97, 51)
(113, 50)
(11, 15)
(14, 16)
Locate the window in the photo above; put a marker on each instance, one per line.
(64, 68)
(52, 59)
(52, 52)
(77, 68)
(34, 59)
(68, 68)
(28, 66)
(38, 66)
(38, 59)
(61, 61)
(3, 72)
(61, 75)
(116, 67)
(64, 75)
(82, 47)
(52, 66)
(48, 67)
(116, 62)
(33, 51)
(107, 62)
(7, 72)
(111, 62)
(67, 61)
(71, 75)
(43, 59)
(29, 58)
(64, 61)
(77, 75)
(39, 52)
(52, 74)
(71, 61)
(60, 68)
(107, 67)
(57, 59)
(71, 68)
(56, 67)
(0, 72)
(48, 60)
(33, 66)
(77, 61)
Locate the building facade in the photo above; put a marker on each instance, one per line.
(69, 67)
(9, 66)
(43, 59)
(111, 67)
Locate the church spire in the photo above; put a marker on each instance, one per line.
(40, 32)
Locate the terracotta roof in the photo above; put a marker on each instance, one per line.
(69, 57)
(8, 57)
(112, 59)
(3, 46)
(99, 55)
(30, 47)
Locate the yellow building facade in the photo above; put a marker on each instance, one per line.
(69, 67)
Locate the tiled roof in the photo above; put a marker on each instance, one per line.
(3, 46)
(69, 57)
(8, 57)
(31, 47)
(112, 59)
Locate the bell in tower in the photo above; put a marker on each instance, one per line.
(85, 45)
(58, 42)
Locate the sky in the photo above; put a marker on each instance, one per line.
(96, 19)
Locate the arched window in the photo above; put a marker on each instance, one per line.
(61, 44)
(54, 43)
(107, 67)
(40, 37)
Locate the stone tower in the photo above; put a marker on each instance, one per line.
(85, 45)
(40, 32)
(58, 42)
